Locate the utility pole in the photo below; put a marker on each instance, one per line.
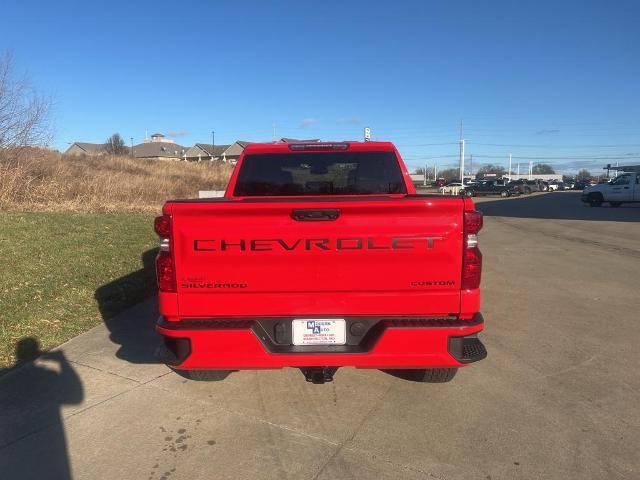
(509, 167)
(518, 169)
(530, 169)
(213, 144)
(424, 182)
(132, 146)
(461, 152)
(435, 172)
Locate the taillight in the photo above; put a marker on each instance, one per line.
(471, 268)
(162, 226)
(165, 269)
(472, 222)
(471, 258)
(165, 272)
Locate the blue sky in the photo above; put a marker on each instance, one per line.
(551, 81)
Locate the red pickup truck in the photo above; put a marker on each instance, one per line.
(320, 255)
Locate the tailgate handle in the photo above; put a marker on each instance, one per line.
(326, 215)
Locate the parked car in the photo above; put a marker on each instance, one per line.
(320, 255)
(525, 186)
(441, 182)
(580, 185)
(453, 188)
(490, 187)
(556, 185)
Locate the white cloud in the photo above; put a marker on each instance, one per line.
(349, 121)
(177, 134)
(308, 122)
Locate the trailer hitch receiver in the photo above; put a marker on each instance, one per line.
(319, 374)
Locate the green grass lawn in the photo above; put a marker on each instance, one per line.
(64, 272)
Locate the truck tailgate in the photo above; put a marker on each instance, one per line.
(387, 256)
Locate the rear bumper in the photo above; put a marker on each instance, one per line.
(372, 342)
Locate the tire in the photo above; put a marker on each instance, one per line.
(595, 199)
(204, 375)
(469, 193)
(527, 191)
(504, 194)
(615, 204)
(425, 375)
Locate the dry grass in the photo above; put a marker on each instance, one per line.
(43, 180)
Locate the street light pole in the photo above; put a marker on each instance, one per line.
(461, 153)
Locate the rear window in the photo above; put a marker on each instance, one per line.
(320, 173)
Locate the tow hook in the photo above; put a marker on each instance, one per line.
(318, 375)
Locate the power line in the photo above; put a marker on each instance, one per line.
(622, 145)
(564, 157)
(425, 144)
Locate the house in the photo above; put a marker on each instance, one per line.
(83, 148)
(159, 151)
(159, 147)
(232, 153)
(205, 151)
(158, 137)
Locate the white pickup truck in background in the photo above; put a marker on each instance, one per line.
(622, 189)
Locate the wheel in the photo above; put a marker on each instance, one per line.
(204, 375)
(469, 193)
(615, 204)
(504, 194)
(527, 191)
(595, 199)
(425, 375)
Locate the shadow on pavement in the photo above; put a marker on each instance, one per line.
(135, 330)
(31, 402)
(559, 206)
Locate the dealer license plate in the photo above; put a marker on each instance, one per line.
(319, 331)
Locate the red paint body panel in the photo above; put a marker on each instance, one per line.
(391, 255)
(398, 348)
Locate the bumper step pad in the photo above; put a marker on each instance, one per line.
(467, 349)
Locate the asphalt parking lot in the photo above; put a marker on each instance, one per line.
(556, 398)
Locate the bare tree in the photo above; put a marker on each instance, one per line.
(543, 169)
(450, 174)
(583, 175)
(24, 114)
(490, 168)
(115, 145)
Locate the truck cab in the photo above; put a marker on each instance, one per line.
(622, 189)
